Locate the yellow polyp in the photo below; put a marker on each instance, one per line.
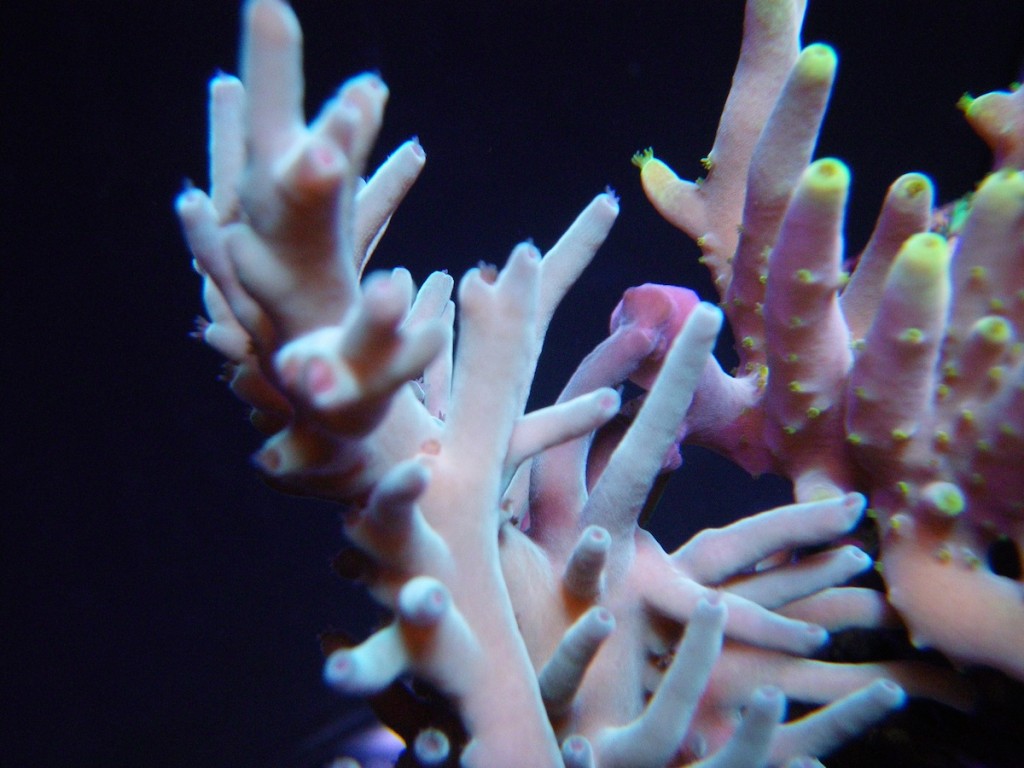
(903, 487)
(965, 102)
(796, 386)
(895, 523)
(943, 554)
(972, 561)
(915, 184)
(983, 446)
(789, 429)
(967, 416)
(748, 342)
(871, 513)
(762, 279)
(912, 335)
(993, 330)
(941, 439)
(844, 278)
(900, 435)
(944, 498)
(707, 163)
(660, 183)
(701, 242)
(860, 393)
(642, 157)
(792, 357)
(978, 274)
(1007, 430)
(813, 413)
(854, 439)
(995, 373)
(796, 322)
(942, 391)
(996, 305)
(858, 344)
(804, 276)
(950, 371)
(759, 309)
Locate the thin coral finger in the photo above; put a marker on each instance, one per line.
(272, 73)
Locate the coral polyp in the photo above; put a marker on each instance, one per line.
(532, 618)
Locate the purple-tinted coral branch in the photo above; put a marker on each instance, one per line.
(506, 544)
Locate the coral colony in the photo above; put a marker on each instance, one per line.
(535, 623)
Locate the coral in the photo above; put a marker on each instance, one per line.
(534, 621)
(903, 381)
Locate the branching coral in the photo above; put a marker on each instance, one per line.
(506, 544)
(904, 383)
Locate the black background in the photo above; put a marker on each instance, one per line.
(161, 606)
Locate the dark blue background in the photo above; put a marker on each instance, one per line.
(161, 606)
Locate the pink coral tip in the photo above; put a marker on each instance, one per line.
(659, 309)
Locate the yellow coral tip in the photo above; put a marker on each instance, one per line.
(827, 176)
(642, 157)
(816, 62)
(921, 262)
(913, 185)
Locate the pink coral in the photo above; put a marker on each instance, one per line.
(905, 382)
(506, 544)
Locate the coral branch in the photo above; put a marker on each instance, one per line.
(507, 546)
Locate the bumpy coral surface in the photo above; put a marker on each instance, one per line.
(906, 382)
(534, 621)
